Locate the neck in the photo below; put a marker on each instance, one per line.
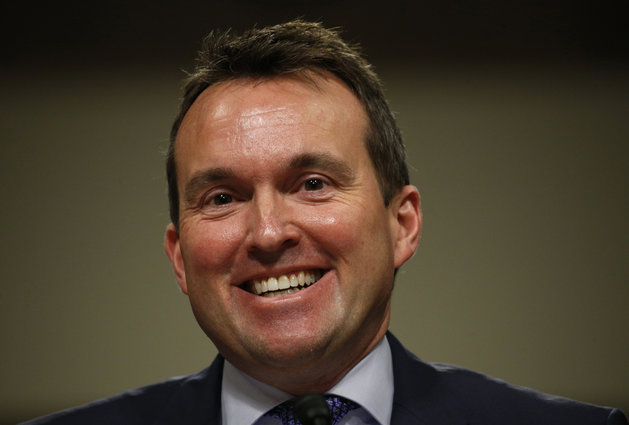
(316, 376)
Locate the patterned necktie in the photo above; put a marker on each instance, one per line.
(338, 405)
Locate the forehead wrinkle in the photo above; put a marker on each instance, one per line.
(264, 117)
(262, 111)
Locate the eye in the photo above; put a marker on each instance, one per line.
(314, 184)
(220, 199)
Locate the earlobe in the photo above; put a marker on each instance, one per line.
(407, 223)
(173, 250)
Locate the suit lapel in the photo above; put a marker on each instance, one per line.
(417, 397)
(198, 400)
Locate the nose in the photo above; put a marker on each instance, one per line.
(272, 229)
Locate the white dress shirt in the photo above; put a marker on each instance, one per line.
(370, 384)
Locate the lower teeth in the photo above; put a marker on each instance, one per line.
(282, 292)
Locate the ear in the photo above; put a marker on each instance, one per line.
(407, 223)
(173, 250)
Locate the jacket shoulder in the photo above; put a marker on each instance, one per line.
(440, 393)
(140, 406)
(482, 397)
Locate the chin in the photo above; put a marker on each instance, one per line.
(291, 350)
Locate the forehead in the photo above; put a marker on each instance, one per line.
(249, 114)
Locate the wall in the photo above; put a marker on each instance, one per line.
(521, 273)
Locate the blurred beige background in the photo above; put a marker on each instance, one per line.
(522, 271)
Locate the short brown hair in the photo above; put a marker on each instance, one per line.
(285, 49)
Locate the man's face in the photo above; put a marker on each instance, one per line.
(274, 182)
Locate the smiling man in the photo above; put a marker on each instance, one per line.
(291, 211)
(278, 198)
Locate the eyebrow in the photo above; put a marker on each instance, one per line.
(322, 161)
(203, 179)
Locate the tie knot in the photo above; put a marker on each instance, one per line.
(339, 407)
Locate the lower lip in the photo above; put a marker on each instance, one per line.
(284, 292)
(269, 317)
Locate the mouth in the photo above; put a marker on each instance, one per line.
(285, 284)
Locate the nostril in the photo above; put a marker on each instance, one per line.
(270, 242)
(264, 256)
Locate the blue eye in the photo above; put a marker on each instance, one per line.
(313, 184)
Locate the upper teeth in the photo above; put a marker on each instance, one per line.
(285, 282)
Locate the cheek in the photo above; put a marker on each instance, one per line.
(348, 230)
(335, 229)
(212, 246)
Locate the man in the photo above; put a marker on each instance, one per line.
(291, 211)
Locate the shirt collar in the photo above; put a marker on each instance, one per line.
(369, 383)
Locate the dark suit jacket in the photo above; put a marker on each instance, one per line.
(427, 394)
